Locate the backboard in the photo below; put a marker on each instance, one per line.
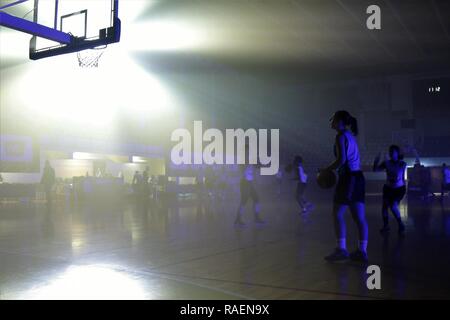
(91, 23)
(64, 26)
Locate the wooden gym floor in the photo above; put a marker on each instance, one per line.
(188, 251)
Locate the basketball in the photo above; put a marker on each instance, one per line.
(326, 179)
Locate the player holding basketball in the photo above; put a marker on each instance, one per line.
(350, 188)
(394, 189)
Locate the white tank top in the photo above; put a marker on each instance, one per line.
(352, 152)
(303, 177)
(248, 173)
(447, 176)
(395, 173)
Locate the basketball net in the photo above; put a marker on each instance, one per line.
(89, 58)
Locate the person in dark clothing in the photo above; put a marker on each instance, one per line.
(145, 183)
(350, 188)
(445, 185)
(248, 191)
(301, 177)
(48, 180)
(395, 187)
(137, 179)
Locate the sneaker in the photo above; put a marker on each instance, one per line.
(337, 255)
(239, 223)
(359, 256)
(385, 229)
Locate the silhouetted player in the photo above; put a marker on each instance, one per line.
(48, 180)
(394, 189)
(445, 180)
(137, 184)
(302, 179)
(247, 191)
(350, 188)
(279, 181)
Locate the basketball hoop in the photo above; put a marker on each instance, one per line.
(89, 58)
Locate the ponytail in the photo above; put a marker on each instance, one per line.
(348, 120)
(354, 125)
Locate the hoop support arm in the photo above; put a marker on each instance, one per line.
(33, 28)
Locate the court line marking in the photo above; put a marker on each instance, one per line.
(198, 258)
(269, 286)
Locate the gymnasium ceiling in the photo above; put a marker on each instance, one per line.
(297, 39)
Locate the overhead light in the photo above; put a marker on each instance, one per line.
(86, 156)
(136, 159)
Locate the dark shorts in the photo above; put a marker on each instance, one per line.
(391, 195)
(300, 188)
(248, 191)
(350, 188)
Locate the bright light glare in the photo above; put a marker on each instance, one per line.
(86, 156)
(130, 10)
(162, 36)
(58, 89)
(54, 91)
(136, 159)
(89, 283)
(13, 44)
